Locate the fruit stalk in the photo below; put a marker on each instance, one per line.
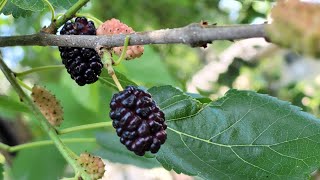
(50, 7)
(24, 85)
(123, 53)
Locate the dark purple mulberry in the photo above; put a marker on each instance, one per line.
(138, 121)
(83, 64)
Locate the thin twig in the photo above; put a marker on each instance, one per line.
(191, 34)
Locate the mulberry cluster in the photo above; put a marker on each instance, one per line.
(114, 26)
(138, 121)
(83, 64)
(93, 165)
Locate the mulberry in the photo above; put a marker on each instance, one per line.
(93, 165)
(83, 64)
(114, 26)
(138, 121)
(48, 104)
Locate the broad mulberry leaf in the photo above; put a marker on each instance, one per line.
(243, 135)
(15, 11)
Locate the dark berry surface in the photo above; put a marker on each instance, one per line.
(83, 64)
(138, 121)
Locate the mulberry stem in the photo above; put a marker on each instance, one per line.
(116, 81)
(38, 69)
(124, 51)
(107, 60)
(43, 143)
(84, 127)
(24, 85)
(51, 9)
(2, 4)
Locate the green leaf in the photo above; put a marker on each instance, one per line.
(65, 4)
(199, 97)
(244, 135)
(107, 80)
(113, 150)
(7, 103)
(24, 8)
(31, 5)
(15, 11)
(38, 164)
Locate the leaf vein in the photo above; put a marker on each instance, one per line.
(253, 165)
(291, 157)
(202, 159)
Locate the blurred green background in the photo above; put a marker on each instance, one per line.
(253, 65)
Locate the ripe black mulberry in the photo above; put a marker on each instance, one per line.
(138, 121)
(83, 64)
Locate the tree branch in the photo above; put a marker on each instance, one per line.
(191, 34)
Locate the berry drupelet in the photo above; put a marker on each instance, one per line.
(83, 64)
(138, 121)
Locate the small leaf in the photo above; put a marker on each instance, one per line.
(244, 135)
(113, 150)
(107, 80)
(15, 11)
